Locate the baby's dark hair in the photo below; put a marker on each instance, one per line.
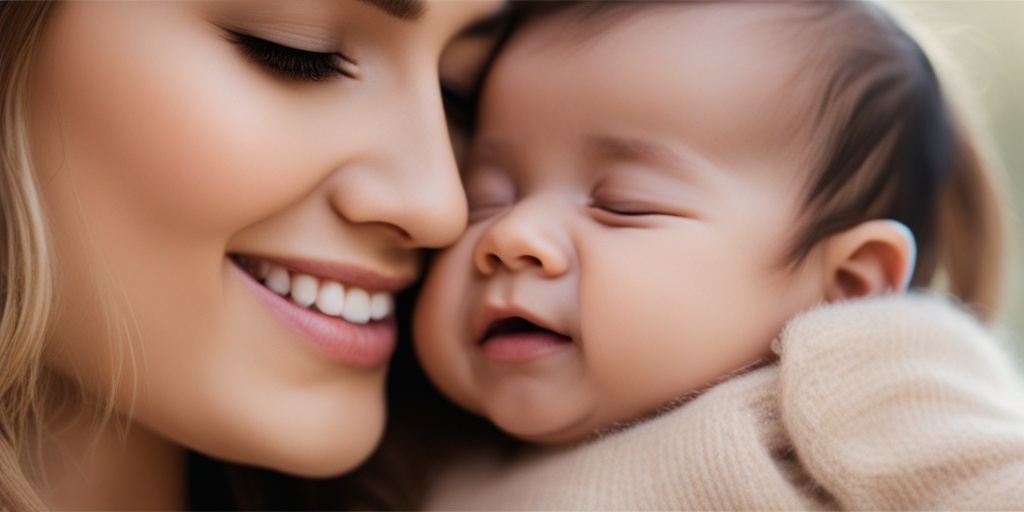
(896, 147)
(890, 142)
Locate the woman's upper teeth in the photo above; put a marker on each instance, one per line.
(332, 298)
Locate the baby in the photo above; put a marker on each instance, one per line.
(691, 230)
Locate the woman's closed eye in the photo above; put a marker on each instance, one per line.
(293, 63)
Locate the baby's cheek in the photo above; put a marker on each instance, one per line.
(442, 322)
(649, 333)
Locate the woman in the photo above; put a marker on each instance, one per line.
(207, 211)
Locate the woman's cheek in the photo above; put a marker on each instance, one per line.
(194, 138)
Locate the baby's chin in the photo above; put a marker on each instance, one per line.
(559, 424)
(556, 427)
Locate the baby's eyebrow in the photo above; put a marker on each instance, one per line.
(409, 10)
(631, 149)
(676, 159)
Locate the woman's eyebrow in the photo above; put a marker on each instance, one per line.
(409, 10)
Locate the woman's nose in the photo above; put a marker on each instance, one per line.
(407, 178)
(529, 237)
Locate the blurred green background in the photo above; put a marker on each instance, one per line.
(984, 41)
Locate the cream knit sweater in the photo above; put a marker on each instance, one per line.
(891, 403)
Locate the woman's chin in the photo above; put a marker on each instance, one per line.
(318, 456)
(301, 442)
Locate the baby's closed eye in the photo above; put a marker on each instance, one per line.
(618, 198)
(487, 193)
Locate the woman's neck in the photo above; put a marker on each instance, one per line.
(117, 468)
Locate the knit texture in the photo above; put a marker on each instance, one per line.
(900, 402)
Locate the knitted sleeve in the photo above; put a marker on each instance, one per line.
(903, 402)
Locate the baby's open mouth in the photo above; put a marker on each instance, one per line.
(515, 340)
(517, 326)
(326, 296)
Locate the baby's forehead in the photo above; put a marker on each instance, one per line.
(732, 70)
(585, 25)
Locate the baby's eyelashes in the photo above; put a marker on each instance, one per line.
(625, 207)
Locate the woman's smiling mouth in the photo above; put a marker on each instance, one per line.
(348, 322)
(324, 295)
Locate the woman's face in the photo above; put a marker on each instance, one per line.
(221, 176)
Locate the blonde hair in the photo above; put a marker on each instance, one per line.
(26, 269)
(28, 286)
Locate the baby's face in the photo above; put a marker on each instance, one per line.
(630, 213)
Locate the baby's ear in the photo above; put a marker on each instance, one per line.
(872, 258)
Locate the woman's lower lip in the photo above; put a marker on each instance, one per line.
(363, 345)
(523, 346)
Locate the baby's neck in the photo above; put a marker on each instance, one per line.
(118, 468)
(680, 400)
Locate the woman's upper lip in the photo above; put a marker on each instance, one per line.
(346, 274)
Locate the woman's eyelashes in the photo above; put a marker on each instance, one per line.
(293, 63)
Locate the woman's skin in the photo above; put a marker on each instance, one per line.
(180, 149)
